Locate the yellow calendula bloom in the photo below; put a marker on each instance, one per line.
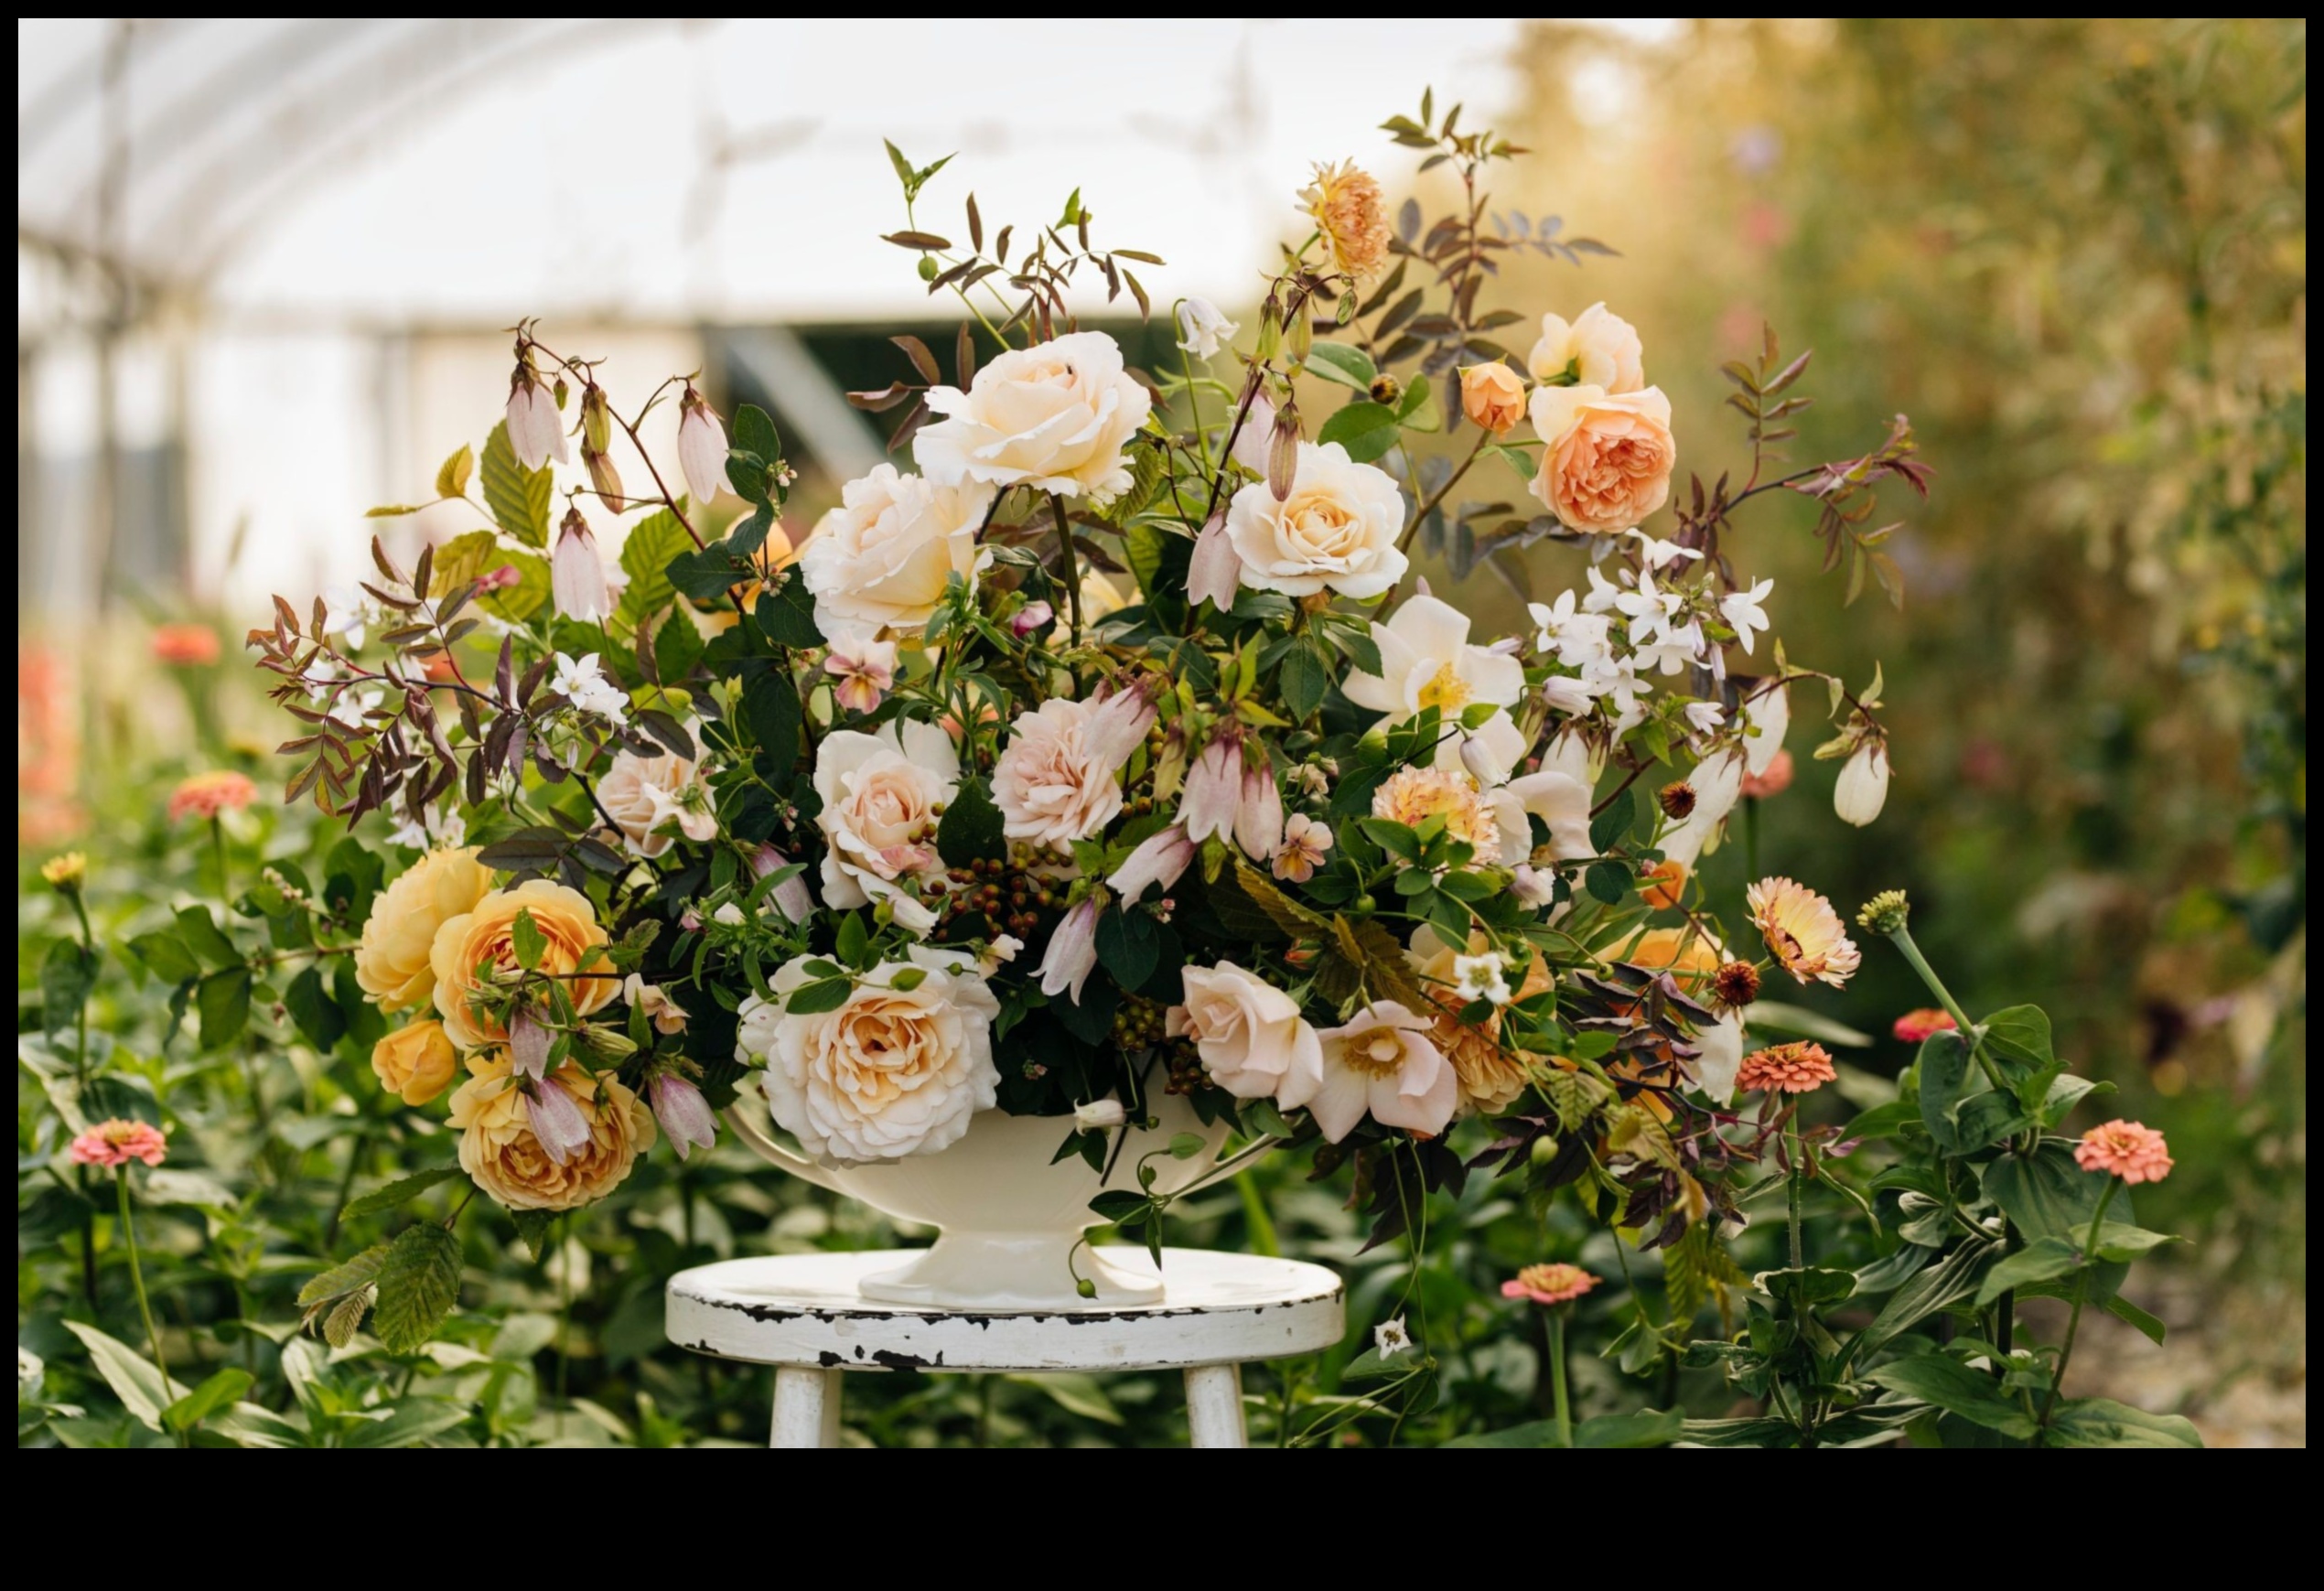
(1347, 210)
(1803, 931)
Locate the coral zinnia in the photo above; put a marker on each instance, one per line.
(1915, 1026)
(1346, 206)
(204, 795)
(184, 646)
(1558, 1284)
(1789, 1069)
(2130, 1150)
(1803, 931)
(118, 1141)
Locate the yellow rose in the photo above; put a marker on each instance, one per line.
(487, 934)
(1494, 396)
(417, 1061)
(392, 964)
(499, 1151)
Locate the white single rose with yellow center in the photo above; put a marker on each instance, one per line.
(1425, 661)
(896, 1070)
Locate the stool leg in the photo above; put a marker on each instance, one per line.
(802, 1396)
(1215, 1406)
(832, 1389)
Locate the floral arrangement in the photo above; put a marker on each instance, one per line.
(1115, 753)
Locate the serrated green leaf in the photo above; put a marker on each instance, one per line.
(823, 994)
(517, 497)
(527, 939)
(402, 1190)
(1366, 429)
(353, 1276)
(452, 480)
(1344, 363)
(312, 1008)
(418, 1285)
(164, 955)
(646, 553)
(1305, 677)
(787, 615)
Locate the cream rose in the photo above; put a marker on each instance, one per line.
(1057, 779)
(486, 938)
(1608, 457)
(416, 1063)
(1055, 416)
(882, 558)
(1253, 1040)
(1599, 349)
(391, 961)
(499, 1151)
(880, 793)
(642, 793)
(1338, 529)
(894, 1071)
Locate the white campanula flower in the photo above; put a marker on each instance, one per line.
(1767, 710)
(702, 447)
(536, 431)
(576, 574)
(1072, 956)
(1203, 327)
(1098, 1115)
(1862, 789)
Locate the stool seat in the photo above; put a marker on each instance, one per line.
(803, 1313)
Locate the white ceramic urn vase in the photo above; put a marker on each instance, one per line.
(1007, 1219)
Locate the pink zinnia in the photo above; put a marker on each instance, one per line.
(1558, 1284)
(1790, 1069)
(1915, 1026)
(117, 1143)
(184, 646)
(2129, 1150)
(204, 795)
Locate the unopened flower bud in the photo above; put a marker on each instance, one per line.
(1387, 389)
(536, 431)
(1494, 396)
(1886, 912)
(1032, 617)
(64, 872)
(702, 447)
(605, 478)
(1676, 799)
(684, 1113)
(597, 419)
(1863, 786)
(557, 1121)
(1098, 1115)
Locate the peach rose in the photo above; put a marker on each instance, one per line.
(486, 936)
(391, 961)
(896, 1070)
(1599, 347)
(1492, 395)
(416, 1063)
(642, 793)
(1253, 1040)
(1057, 779)
(1608, 457)
(881, 795)
(499, 1151)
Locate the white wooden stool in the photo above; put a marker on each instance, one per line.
(801, 1314)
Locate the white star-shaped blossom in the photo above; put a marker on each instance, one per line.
(1390, 1338)
(1659, 554)
(1705, 717)
(1742, 611)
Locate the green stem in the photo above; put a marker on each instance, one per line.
(1903, 940)
(1194, 406)
(1751, 838)
(983, 1410)
(218, 849)
(137, 1281)
(2082, 1296)
(1071, 562)
(1564, 1408)
(1798, 1183)
(565, 1311)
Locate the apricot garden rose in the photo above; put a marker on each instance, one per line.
(416, 1063)
(499, 1151)
(1608, 457)
(392, 964)
(471, 948)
